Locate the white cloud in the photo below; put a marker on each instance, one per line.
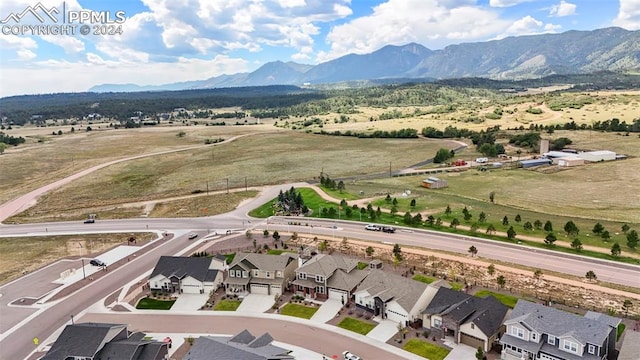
(17, 42)
(291, 3)
(563, 9)
(70, 44)
(628, 15)
(403, 21)
(528, 25)
(506, 3)
(62, 76)
(26, 54)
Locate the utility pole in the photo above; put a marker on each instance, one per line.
(227, 185)
(245, 184)
(389, 168)
(84, 276)
(207, 188)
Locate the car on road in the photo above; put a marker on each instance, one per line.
(372, 227)
(97, 262)
(90, 221)
(350, 356)
(388, 229)
(192, 236)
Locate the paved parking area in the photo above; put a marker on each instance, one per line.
(256, 303)
(327, 311)
(461, 351)
(384, 331)
(189, 302)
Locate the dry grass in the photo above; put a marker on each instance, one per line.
(25, 254)
(264, 159)
(201, 205)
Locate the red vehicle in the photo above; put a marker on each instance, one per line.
(459, 162)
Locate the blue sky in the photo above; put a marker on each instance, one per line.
(164, 41)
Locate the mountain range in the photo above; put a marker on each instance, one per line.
(522, 57)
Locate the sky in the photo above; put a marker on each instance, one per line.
(152, 42)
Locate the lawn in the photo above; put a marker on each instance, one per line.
(423, 278)
(154, 304)
(362, 265)
(297, 310)
(227, 305)
(356, 325)
(620, 330)
(507, 300)
(425, 349)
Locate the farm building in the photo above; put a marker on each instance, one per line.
(434, 183)
(535, 162)
(600, 155)
(569, 161)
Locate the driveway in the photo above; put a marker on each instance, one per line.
(256, 303)
(384, 331)
(327, 311)
(189, 302)
(461, 351)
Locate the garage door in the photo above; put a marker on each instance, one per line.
(396, 317)
(276, 290)
(338, 295)
(260, 289)
(191, 289)
(472, 341)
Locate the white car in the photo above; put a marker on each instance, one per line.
(372, 227)
(192, 236)
(350, 356)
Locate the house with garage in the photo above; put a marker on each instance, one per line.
(394, 297)
(190, 275)
(328, 277)
(241, 346)
(260, 273)
(470, 320)
(535, 331)
(99, 341)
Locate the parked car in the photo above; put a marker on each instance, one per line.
(90, 221)
(97, 262)
(350, 356)
(388, 229)
(192, 236)
(372, 227)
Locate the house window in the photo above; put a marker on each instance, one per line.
(232, 273)
(473, 326)
(551, 340)
(534, 336)
(245, 274)
(570, 346)
(592, 349)
(302, 276)
(319, 278)
(268, 274)
(278, 273)
(517, 332)
(437, 322)
(255, 272)
(320, 289)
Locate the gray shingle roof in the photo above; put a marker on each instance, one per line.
(242, 346)
(342, 280)
(183, 266)
(266, 262)
(548, 320)
(388, 286)
(326, 265)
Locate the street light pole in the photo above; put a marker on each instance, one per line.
(72, 323)
(84, 276)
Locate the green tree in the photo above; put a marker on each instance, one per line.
(454, 223)
(511, 233)
(340, 186)
(548, 227)
(528, 226)
(180, 134)
(576, 244)
(276, 235)
(492, 196)
(265, 233)
(466, 214)
(597, 228)
(442, 156)
(632, 239)
(397, 253)
(591, 276)
(473, 250)
(438, 222)
(413, 203)
(394, 210)
(3, 146)
(625, 228)
(501, 281)
(537, 274)
(616, 250)
(537, 224)
(605, 235)
(488, 150)
(517, 218)
(505, 220)
(407, 218)
(474, 227)
(482, 217)
(248, 234)
(447, 211)
(388, 198)
(369, 251)
(479, 353)
(491, 229)
(626, 306)
(491, 269)
(394, 202)
(571, 229)
(550, 239)
(323, 246)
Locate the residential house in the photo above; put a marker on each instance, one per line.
(394, 297)
(260, 273)
(97, 341)
(535, 331)
(328, 277)
(470, 320)
(191, 275)
(242, 346)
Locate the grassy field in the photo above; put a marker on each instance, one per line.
(507, 300)
(356, 325)
(25, 254)
(293, 156)
(425, 349)
(297, 310)
(227, 305)
(154, 304)
(201, 205)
